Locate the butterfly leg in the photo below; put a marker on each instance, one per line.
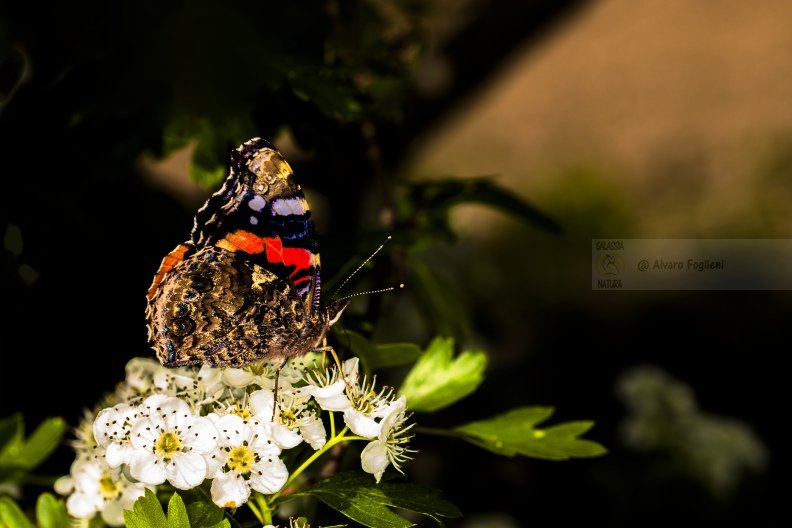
(324, 349)
(275, 390)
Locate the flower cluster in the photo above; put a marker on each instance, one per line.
(188, 426)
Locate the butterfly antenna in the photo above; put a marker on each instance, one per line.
(358, 269)
(372, 291)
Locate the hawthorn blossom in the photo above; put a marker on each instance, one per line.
(246, 458)
(95, 487)
(170, 444)
(366, 406)
(390, 445)
(292, 421)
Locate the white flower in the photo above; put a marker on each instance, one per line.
(111, 430)
(246, 458)
(390, 447)
(170, 444)
(328, 388)
(292, 419)
(366, 406)
(95, 487)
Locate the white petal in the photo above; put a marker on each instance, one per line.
(144, 434)
(285, 438)
(83, 505)
(234, 377)
(350, 368)
(231, 430)
(200, 435)
(269, 475)
(118, 454)
(360, 424)
(313, 431)
(186, 470)
(261, 403)
(113, 513)
(146, 468)
(374, 459)
(109, 426)
(230, 491)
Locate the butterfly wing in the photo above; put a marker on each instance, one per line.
(217, 308)
(261, 213)
(246, 286)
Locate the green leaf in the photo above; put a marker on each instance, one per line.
(359, 497)
(374, 357)
(11, 515)
(513, 433)
(146, 513)
(444, 310)
(393, 355)
(443, 194)
(51, 512)
(19, 456)
(177, 513)
(437, 380)
(44, 440)
(204, 513)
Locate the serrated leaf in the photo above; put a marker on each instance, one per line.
(513, 433)
(177, 512)
(146, 513)
(438, 379)
(11, 515)
(51, 512)
(359, 497)
(204, 513)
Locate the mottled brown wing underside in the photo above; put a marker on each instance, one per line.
(217, 308)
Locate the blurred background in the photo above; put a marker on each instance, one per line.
(492, 139)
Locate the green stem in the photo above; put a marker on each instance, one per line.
(261, 509)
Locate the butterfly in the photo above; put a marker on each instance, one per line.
(246, 286)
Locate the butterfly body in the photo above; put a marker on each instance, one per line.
(247, 285)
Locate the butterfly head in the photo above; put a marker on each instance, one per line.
(334, 310)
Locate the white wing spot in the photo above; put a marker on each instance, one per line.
(257, 203)
(253, 220)
(288, 206)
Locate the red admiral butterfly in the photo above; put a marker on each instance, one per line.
(247, 285)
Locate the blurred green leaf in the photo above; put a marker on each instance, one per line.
(445, 312)
(11, 515)
(443, 194)
(393, 355)
(19, 456)
(359, 497)
(437, 380)
(51, 512)
(513, 433)
(374, 357)
(13, 239)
